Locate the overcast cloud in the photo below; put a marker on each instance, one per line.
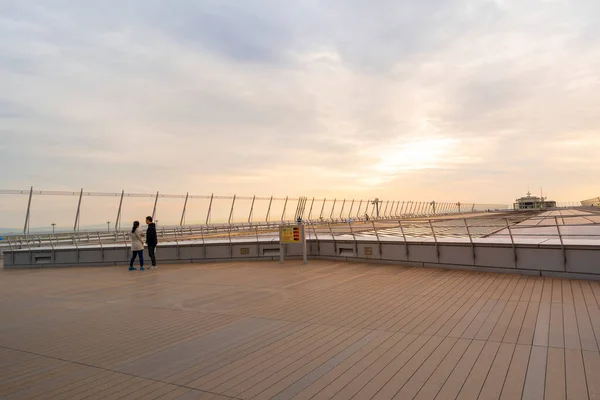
(467, 100)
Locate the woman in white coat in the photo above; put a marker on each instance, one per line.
(137, 246)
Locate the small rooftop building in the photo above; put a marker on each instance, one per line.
(530, 202)
(593, 202)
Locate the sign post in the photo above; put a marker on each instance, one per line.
(292, 234)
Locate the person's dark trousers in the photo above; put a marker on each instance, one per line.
(151, 250)
(140, 255)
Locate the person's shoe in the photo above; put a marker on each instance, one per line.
(132, 269)
(142, 269)
(154, 267)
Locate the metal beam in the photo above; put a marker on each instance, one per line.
(28, 213)
(76, 224)
(154, 209)
(231, 211)
(251, 209)
(184, 209)
(118, 220)
(209, 208)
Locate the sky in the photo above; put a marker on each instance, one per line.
(448, 100)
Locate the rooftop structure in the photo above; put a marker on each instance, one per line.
(530, 202)
(593, 202)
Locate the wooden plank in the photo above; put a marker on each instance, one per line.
(535, 381)
(474, 383)
(575, 375)
(555, 375)
(515, 378)
(592, 374)
(492, 388)
(461, 372)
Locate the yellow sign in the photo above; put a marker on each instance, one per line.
(291, 234)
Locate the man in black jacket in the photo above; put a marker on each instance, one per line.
(151, 240)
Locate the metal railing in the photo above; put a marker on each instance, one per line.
(111, 209)
(514, 227)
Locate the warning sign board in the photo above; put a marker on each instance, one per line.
(291, 234)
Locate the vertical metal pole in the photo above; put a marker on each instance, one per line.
(304, 244)
(404, 237)
(332, 209)
(397, 207)
(378, 240)
(284, 208)
(401, 209)
(426, 206)
(118, 220)
(280, 246)
(184, 209)
(387, 203)
(353, 239)
(359, 208)
(209, 208)
(512, 240)
(312, 203)
(154, 209)
(28, 213)
(251, 209)
(351, 208)
(410, 208)
(322, 209)
(342, 210)
(231, 213)
(269, 210)
(470, 240)
(76, 224)
(437, 246)
(562, 244)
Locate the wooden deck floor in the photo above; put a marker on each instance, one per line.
(323, 331)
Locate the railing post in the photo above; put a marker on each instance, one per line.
(332, 210)
(562, 244)
(401, 209)
(28, 213)
(342, 209)
(322, 209)
(512, 241)
(118, 220)
(470, 240)
(387, 203)
(284, 209)
(332, 238)
(404, 238)
(311, 208)
(410, 208)
(251, 210)
(76, 224)
(359, 208)
(351, 208)
(154, 208)
(354, 239)
(184, 209)
(317, 239)
(231, 211)
(437, 246)
(209, 208)
(269, 210)
(101, 247)
(378, 240)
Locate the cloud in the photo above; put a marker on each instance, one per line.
(403, 99)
